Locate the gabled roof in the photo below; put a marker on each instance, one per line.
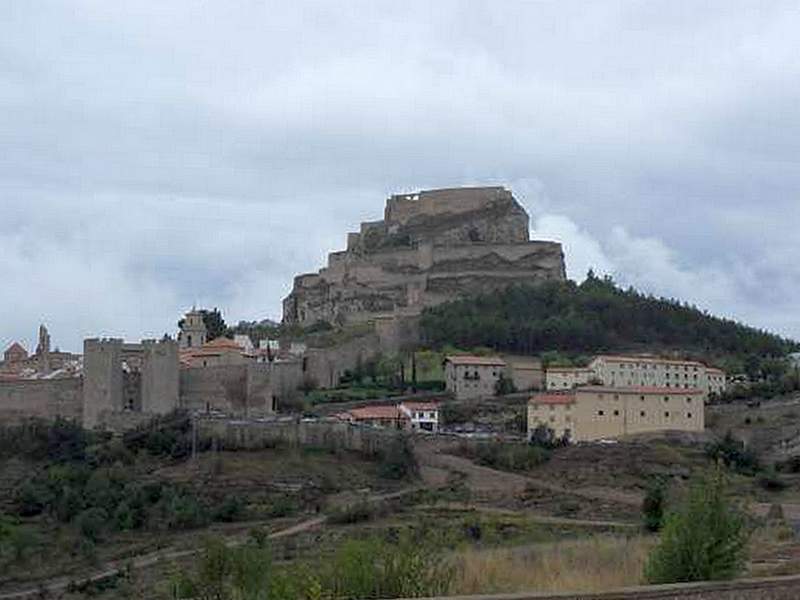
(478, 361)
(16, 347)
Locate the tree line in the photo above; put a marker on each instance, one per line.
(594, 316)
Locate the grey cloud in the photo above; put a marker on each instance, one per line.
(157, 154)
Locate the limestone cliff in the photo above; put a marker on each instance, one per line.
(431, 247)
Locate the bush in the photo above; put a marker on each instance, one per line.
(506, 456)
(771, 481)
(397, 460)
(653, 505)
(544, 437)
(704, 540)
(733, 454)
(91, 523)
(230, 510)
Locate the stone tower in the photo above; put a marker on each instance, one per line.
(160, 377)
(193, 333)
(43, 350)
(102, 379)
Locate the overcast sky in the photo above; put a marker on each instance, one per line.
(157, 154)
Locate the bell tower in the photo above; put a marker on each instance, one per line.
(193, 331)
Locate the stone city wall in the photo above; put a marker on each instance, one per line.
(45, 398)
(332, 435)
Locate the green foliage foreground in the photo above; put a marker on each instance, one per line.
(705, 539)
(373, 568)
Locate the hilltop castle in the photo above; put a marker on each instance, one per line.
(431, 247)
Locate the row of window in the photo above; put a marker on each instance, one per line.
(601, 413)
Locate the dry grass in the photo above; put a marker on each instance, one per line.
(589, 565)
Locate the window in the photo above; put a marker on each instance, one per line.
(641, 398)
(641, 413)
(688, 415)
(666, 398)
(552, 419)
(600, 413)
(666, 414)
(616, 413)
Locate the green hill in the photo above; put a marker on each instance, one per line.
(595, 316)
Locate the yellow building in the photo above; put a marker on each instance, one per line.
(599, 412)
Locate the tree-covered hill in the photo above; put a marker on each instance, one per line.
(594, 316)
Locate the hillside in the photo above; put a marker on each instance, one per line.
(594, 316)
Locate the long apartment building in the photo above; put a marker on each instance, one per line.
(599, 412)
(619, 371)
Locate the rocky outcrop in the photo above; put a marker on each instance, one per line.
(431, 247)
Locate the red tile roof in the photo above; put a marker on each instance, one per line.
(664, 391)
(564, 398)
(490, 361)
(647, 359)
(569, 369)
(421, 405)
(367, 413)
(17, 347)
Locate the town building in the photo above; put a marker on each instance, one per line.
(639, 371)
(423, 416)
(565, 378)
(473, 377)
(598, 412)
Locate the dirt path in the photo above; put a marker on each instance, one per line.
(532, 516)
(144, 561)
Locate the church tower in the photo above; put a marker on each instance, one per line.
(193, 331)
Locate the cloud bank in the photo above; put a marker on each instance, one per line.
(157, 155)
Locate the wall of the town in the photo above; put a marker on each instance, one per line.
(45, 398)
(333, 435)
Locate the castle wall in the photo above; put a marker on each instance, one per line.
(231, 389)
(43, 398)
(332, 435)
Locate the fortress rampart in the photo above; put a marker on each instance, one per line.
(432, 247)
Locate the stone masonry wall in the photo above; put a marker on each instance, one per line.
(44, 398)
(331, 435)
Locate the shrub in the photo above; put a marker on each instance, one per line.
(397, 460)
(544, 437)
(770, 481)
(506, 456)
(733, 454)
(705, 539)
(91, 523)
(653, 505)
(230, 510)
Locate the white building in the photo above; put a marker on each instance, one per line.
(424, 416)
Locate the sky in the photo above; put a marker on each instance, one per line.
(157, 155)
